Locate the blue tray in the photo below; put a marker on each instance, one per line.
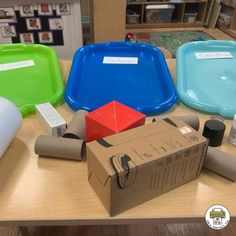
(207, 84)
(146, 86)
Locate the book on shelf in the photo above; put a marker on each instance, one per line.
(214, 13)
(216, 16)
(208, 12)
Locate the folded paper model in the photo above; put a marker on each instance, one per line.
(111, 118)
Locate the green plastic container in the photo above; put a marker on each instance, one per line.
(30, 74)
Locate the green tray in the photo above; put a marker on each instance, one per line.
(29, 75)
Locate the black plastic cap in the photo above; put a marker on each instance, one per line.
(214, 131)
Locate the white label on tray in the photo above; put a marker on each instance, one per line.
(215, 55)
(120, 60)
(16, 65)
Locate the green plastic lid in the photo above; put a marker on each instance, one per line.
(30, 74)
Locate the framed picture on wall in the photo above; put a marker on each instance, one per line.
(33, 24)
(7, 15)
(55, 24)
(27, 38)
(45, 37)
(8, 31)
(45, 9)
(26, 10)
(63, 9)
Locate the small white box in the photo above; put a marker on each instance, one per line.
(51, 119)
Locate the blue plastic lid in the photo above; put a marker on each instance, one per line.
(206, 76)
(134, 74)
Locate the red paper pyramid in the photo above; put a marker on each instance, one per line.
(111, 118)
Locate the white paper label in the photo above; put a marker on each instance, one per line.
(215, 55)
(16, 65)
(120, 60)
(185, 130)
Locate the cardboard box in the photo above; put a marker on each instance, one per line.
(111, 118)
(134, 166)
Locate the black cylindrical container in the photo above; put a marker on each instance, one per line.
(214, 130)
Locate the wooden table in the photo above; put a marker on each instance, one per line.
(43, 191)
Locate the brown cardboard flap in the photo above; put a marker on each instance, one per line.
(119, 166)
(124, 168)
(120, 154)
(137, 133)
(97, 169)
(102, 181)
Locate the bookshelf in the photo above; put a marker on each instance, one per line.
(186, 13)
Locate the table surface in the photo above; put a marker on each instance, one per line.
(45, 191)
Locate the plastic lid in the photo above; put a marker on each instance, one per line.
(214, 131)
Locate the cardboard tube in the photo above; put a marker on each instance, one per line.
(191, 120)
(221, 163)
(59, 147)
(76, 128)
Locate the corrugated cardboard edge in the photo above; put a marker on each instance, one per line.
(95, 181)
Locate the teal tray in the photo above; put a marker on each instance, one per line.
(209, 84)
(29, 75)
